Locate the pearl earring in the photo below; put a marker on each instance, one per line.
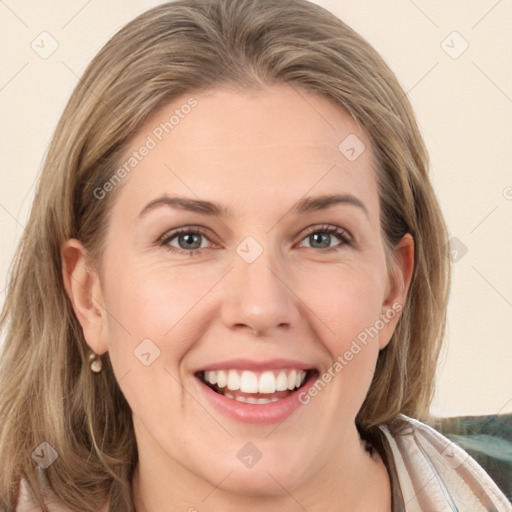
(95, 362)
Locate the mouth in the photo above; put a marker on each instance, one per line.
(257, 387)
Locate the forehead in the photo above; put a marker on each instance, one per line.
(232, 145)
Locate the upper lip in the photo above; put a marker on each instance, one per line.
(254, 365)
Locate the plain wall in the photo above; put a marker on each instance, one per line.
(463, 105)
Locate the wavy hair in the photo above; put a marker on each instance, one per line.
(47, 391)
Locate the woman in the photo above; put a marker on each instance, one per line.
(231, 292)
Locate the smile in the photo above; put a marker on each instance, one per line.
(255, 388)
(257, 395)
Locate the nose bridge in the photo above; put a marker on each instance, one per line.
(257, 295)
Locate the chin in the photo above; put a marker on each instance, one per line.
(268, 478)
(259, 483)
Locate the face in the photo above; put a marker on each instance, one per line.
(273, 290)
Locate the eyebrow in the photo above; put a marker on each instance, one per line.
(303, 206)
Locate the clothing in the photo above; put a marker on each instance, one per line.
(428, 473)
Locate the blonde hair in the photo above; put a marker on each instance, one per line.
(48, 392)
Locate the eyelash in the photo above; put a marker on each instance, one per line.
(325, 229)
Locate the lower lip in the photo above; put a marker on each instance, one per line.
(273, 412)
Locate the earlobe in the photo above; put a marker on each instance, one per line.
(82, 285)
(398, 287)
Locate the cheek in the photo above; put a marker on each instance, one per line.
(153, 302)
(347, 299)
(158, 310)
(149, 333)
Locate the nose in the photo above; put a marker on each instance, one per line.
(259, 298)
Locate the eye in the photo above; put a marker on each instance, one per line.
(321, 235)
(188, 240)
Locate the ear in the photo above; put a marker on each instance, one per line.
(83, 288)
(399, 282)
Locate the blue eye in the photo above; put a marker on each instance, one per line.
(324, 234)
(189, 239)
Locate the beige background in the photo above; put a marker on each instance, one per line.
(463, 105)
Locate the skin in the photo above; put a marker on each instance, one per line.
(257, 153)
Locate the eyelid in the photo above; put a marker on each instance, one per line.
(341, 233)
(172, 233)
(338, 231)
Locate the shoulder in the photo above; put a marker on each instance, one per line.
(436, 474)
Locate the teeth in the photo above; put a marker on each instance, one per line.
(281, 382)
(267, 383)
(233, 380)
(291, 380)
(247, 381)
(210, 377)
(221, 378)
(253, 400)
(266, 400)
